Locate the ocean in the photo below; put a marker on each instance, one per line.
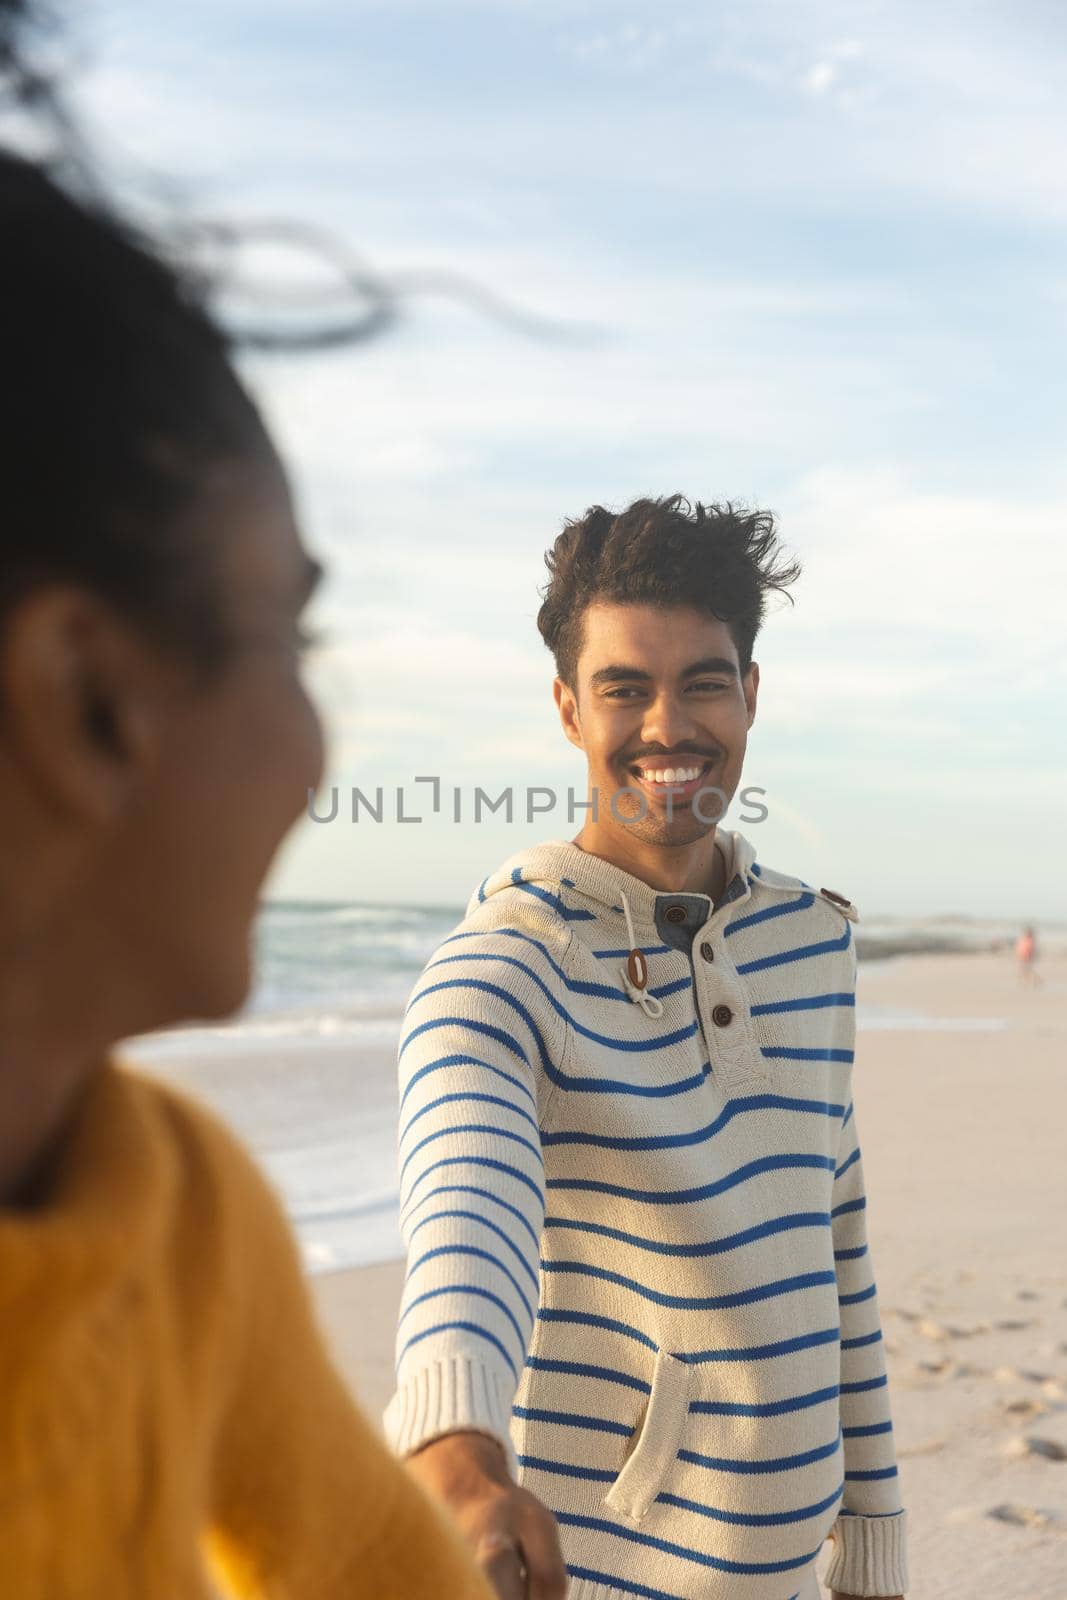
(305, 1072)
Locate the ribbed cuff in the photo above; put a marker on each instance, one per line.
(446, 1397)
(870, 1555)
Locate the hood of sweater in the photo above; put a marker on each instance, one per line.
(579, 885)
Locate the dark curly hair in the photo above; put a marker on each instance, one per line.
(718, 559)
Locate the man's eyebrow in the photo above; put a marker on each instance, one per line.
(620, 671)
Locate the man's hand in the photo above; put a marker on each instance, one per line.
(513, 1535)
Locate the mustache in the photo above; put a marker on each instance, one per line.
(672, 755)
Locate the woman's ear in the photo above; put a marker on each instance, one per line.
(76, 703)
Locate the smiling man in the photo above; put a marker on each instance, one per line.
(639, 1350)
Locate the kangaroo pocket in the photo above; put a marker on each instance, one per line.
(658, 1438)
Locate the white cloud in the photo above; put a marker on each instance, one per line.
(820, 77)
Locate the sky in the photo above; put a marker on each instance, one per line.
(806, 255)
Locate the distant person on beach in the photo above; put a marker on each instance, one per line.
(639, 1348)
(1026, 957)
(171, 1425)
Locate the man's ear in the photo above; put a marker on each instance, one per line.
(750, 685)
(76, 705)
(567, 704)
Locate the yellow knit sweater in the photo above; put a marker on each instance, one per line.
(170, 1425)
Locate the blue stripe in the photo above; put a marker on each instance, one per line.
(866, 1338)
(871, 1477)
(765, 1408)
(583, 986)
(674, 1141)
(781, 1052)
(465, 1095)
(564, 1470)
(465, 1288)
(462, 1327)
(483, 1194)
(799, 953)
(469, 1127)
(481, 1255)
(475, 1216)
(855, 1299)
(866, 1385)
(626, 1585)
(852, 1159)
(865, 1433)
(846, 1206)
(753, 1519)
(572, 1519)
(461, 1059)
(556, 901)
(707, 1247)
(759, 1352)
(581, 1369)
(852, 1254)
(473, 1161)
(640, 1046)
(561, 1079)
(722, 1302)
(786, 909)
(588, 1319)
(487, 1028)
(765, 1352)
(573, 1419)
(706, 1191)
(758, 1467)
(811, 1002)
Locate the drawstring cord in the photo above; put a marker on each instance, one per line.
(635, 970)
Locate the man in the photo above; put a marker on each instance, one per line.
(639, 1294)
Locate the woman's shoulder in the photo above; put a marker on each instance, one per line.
(216, 1184)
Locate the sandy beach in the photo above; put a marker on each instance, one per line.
(962, 1120)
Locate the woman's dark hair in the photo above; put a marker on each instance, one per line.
(718, 559)
(117, 393)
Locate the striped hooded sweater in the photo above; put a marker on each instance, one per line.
(634, 1219)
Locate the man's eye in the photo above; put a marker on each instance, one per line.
(708, 683)
(617, 694)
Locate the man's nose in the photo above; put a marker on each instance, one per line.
(668, 722)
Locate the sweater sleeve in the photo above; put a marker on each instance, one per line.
(305, 1498)
(476, 1041)
(869, 1555)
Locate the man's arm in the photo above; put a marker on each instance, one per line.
(304, 1499)
(870, 1533)
(476, 1036)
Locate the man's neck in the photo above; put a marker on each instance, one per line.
(697, 868)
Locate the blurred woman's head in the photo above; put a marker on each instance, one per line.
(155, 740)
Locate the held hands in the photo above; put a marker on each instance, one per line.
(512, 1534)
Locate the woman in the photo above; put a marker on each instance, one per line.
(169, 1416)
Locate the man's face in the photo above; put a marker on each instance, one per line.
(661, 711)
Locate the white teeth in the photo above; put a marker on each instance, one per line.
(672, 774)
